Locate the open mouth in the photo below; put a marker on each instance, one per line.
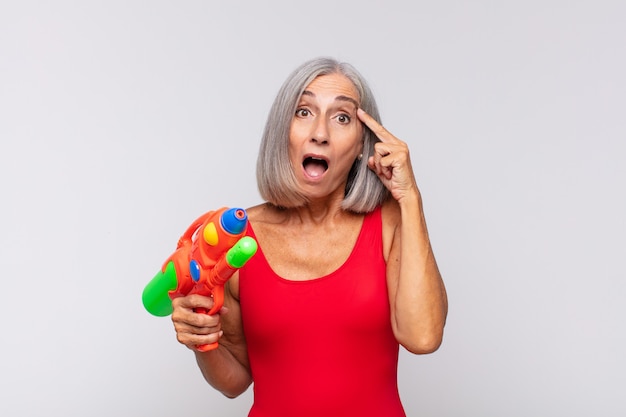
(314, 166)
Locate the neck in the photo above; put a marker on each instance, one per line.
(319, 211)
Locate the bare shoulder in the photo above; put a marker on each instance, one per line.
(256, 214)
(265, 213)
(257, 210)
(390, 213)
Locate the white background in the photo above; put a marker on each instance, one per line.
(122, 121)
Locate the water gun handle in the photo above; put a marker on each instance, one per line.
(234, 259)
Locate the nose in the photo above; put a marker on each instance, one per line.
(320, 132)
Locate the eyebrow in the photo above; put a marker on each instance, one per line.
(338, 98)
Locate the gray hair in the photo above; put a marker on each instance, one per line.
(275, 176)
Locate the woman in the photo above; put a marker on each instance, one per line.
(345, 272)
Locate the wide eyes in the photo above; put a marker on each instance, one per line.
(303, 113)
(341, 118)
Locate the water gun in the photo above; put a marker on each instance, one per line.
(211, 250)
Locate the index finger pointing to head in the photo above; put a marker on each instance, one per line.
(373, 125)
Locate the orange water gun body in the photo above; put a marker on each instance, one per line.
(212, 249)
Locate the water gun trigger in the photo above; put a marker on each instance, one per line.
(218, 300)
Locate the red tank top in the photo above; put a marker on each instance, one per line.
(322, 347)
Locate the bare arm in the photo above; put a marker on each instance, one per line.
(225, 368)
(417, 294)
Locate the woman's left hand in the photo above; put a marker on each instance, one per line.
(391, 160)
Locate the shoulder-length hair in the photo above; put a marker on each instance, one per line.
(275, 175)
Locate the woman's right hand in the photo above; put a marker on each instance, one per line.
(195, 329)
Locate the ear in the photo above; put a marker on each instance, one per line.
(361, 147)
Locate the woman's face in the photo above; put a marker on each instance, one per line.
(325, 135)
